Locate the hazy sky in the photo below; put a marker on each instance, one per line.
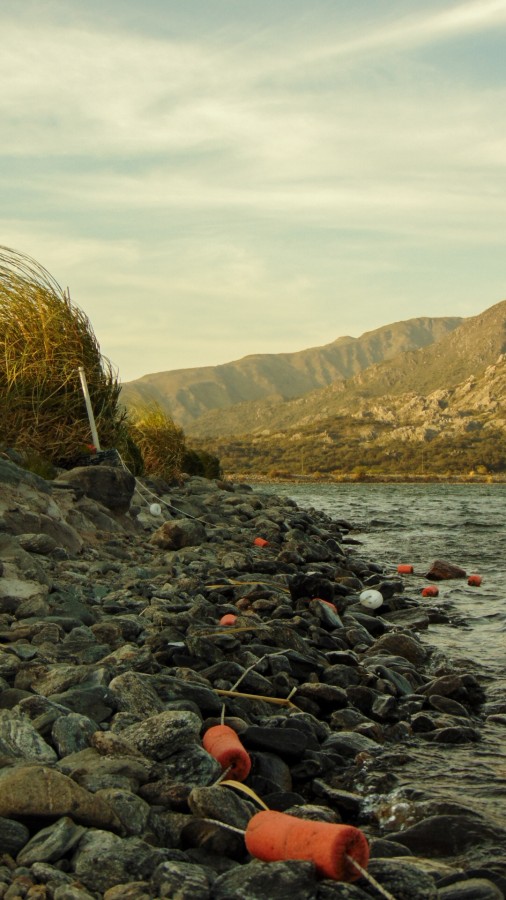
(213, 178)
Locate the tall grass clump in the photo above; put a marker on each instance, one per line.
(44, 339)
(161, 443)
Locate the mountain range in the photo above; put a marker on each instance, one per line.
(355, 402)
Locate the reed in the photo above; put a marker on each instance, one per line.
(44, 339)
(160, 442)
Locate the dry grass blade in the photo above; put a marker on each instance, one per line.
(44, 338)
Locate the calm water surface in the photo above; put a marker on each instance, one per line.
(465, 525)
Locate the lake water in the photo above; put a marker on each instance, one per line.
(464, 524)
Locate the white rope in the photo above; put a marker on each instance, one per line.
(170, 506)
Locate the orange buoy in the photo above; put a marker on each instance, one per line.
(273, 836)
(405, 570)
(430, 591)
(228, 619)
(326, 602)
(474, 580)
(223, 743)
(260, 542)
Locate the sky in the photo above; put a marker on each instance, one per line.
(218, 178)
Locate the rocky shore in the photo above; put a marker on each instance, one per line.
(114, 664)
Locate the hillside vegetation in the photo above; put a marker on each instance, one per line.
(189, 394)
(436, 410)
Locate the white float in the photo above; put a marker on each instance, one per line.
(371, 599)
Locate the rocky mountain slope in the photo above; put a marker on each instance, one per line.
(450, 430)
(188, 394)
(463, 353)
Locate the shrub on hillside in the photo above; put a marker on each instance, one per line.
(44, 340)
(159, 441)
(200, 462)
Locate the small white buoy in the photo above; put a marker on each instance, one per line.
(371, 599)
(155, 509)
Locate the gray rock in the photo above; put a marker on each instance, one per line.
(13, 836)
(94, 771)
(336, 890)
(403, 881)
(471, 889)
(183, 880)
(193, 766)
(349, 743)
(447, 835)
(40, 791)
(134, 890)
(287, 742)
(51, 843)
(160, 736)
(93, 701)
(72, 733)
(276, 880)
(19, 739)
(132, 811)
(136, 694)
(179, 533)
(405, 645)
(221, 803)
(455, 734)
(326, 695)
(37, 543)
(111, 486)
(103, 860)
(71, 892)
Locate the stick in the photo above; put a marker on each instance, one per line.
(278, 701)
(91, 417)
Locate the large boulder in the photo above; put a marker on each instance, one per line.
(111, 486)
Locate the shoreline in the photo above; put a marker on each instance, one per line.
(367, 479)
(114, 665)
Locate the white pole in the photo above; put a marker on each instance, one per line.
(87, 400)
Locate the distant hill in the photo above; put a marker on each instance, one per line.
(190, 394)
(439, 410)
(460, 353)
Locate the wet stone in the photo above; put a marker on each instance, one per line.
(40, 791)
(447, 835)
(103, 860)
(52, 843)
(471, 889)
(13, 835)
(448, 706)
(276, 880)
(334, 890)
(72, 733)
(184, 880)
(160, 736)
(193, 766)
(134, 890)
(221, 803)
(403, 881)
(287, 741)
(349, 743)
(326, 695)
(20, 739)
(269, 773)
(456, 734)
(136, 694)
(131, 810)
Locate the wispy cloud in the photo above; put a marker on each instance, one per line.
(238, 185)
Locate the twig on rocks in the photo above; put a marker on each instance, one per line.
(278, 701)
